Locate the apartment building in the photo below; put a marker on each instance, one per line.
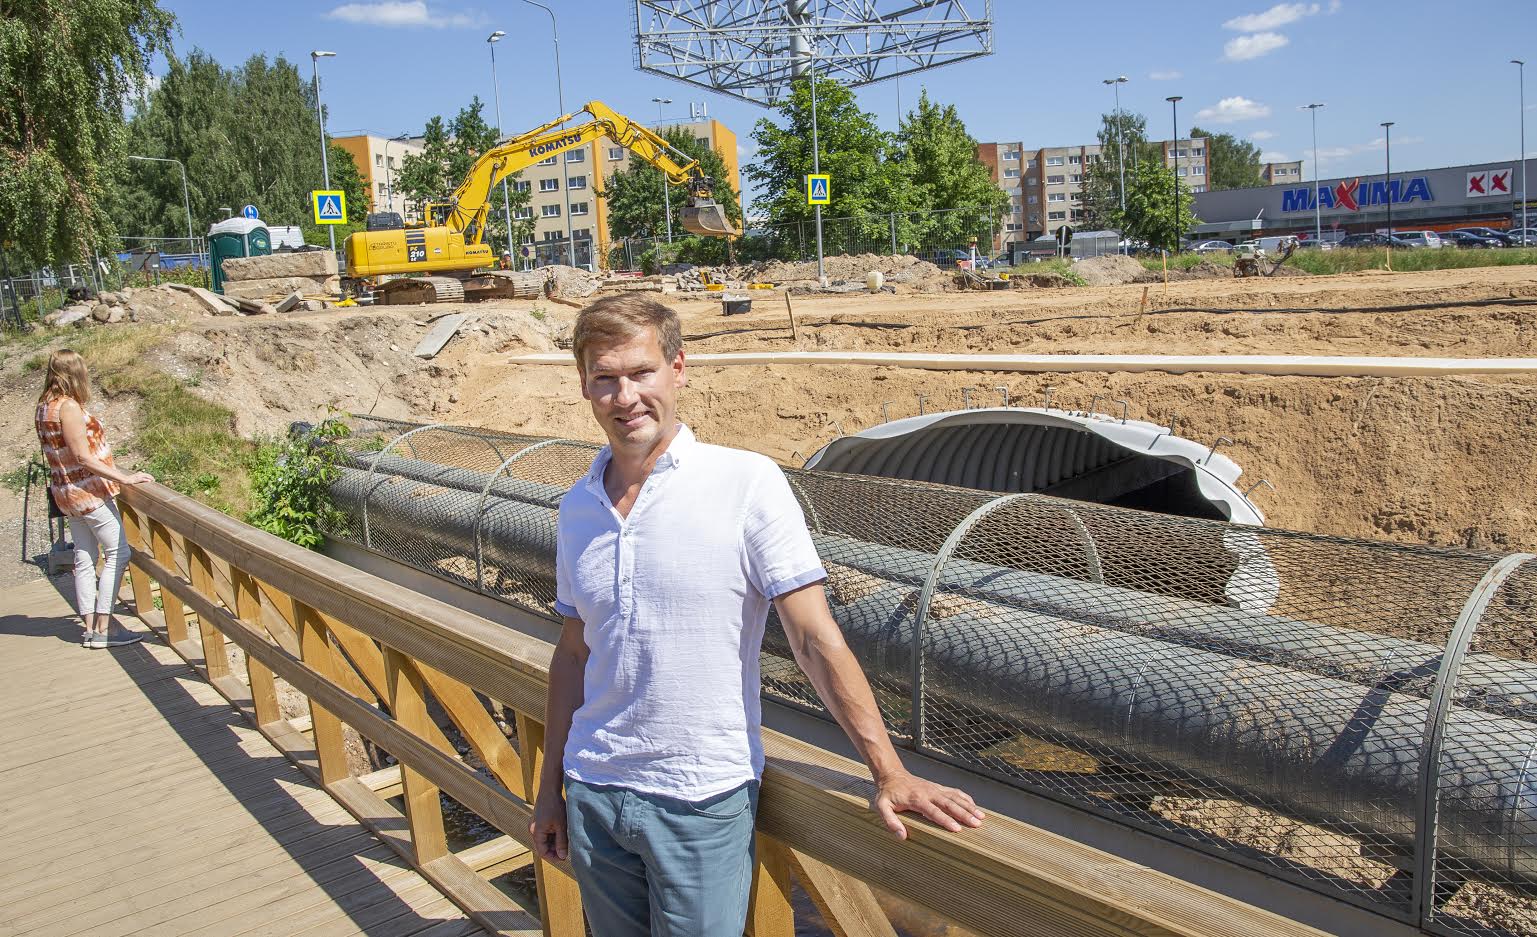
(379, 159)
(1189, 158)
(1282, 173)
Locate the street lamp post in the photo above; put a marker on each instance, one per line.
(1174, 100)
(1526, 194)
(496, 93)
(320, 113)
(1318, 207)
(560, 97)
(1120, 141)
(186, 203)
(666, 196)
(389, 176)
(1387, 143)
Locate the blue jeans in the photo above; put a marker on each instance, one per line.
(653, 865)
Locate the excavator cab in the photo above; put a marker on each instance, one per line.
(703, 215)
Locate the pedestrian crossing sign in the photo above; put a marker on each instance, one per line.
(330, 206)
(818, 190)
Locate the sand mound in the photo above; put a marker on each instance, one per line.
(1110, 270)
(565, 282)
(903, 271)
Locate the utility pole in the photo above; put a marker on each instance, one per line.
(1174, 100)
(1120, 144)
(560, 97)
(320, 112)
(1526, 194)
(666, 196)
(1318, 207)
(496, 91)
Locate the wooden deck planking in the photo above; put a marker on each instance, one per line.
(139, 802)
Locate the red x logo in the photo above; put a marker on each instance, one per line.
(1345, 194)
(1499, 181)
(1476, 185)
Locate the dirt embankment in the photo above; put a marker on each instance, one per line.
(1443, 461)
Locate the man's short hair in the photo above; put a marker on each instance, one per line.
(621, 317)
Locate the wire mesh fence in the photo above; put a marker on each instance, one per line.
(1356, 717)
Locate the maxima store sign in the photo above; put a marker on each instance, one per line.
(1356, 194)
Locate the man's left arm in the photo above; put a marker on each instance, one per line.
(825, 657)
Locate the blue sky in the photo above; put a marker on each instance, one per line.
(1438, 69)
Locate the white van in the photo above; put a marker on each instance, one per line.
(1270, 245)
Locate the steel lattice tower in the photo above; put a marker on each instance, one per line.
(752, 49)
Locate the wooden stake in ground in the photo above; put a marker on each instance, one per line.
(790, 311)
(1165, 272)
(1142, 308)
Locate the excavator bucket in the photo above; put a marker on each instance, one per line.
(706, 217)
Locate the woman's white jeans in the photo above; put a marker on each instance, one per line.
(100, 531)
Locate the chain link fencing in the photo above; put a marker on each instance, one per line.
(1356, 717)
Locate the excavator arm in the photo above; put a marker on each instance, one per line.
(470, 203)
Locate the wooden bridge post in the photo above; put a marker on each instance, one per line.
(560, 903)
(316, 652)
(424, 811)
(769, 914)
(214, 657)
(264, 693)
(138, 539)
(173, 611)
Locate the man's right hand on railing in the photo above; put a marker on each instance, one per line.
(549, 826)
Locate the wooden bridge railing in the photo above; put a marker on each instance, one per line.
(369, 654)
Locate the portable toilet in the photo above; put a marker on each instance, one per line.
(235, 237)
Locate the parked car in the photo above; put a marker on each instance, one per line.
(1524, 237)
(1501, 236)
(1464, 239)
(1373, 240)
(1419, 238)
(1327, 244)
(1211, 247)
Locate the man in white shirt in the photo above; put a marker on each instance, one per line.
(669, 554)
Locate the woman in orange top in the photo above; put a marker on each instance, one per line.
(84, 481)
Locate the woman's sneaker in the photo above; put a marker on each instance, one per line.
(120, 638)
(93, 639)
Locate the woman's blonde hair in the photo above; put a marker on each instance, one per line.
(66, 377)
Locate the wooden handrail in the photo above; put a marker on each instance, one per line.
(367, 653)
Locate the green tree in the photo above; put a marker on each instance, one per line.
(1150, 199)
(867, 182)
(1231, 163)
(68, 73)
(940, 160)
(634, 195)
(1119, 132)
(449, 152)
(245, 135)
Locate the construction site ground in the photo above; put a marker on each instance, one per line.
(1444, 460)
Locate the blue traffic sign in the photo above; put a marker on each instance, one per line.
(330, 206)
(249, 211)
(818, 190)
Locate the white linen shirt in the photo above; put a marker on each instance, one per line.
(673, 600)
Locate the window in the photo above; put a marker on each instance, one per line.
(1198, 188)
(550, 211)
(381, 190)
(1035, 217)
(1011, 172)
(1075, 160)
(1184, 170)
(528, 238)
(1198, 170)
(615, 153)
(1077, 215)
(1029, 164)
(1075, 178)
(524, 213)
(1053, 160)
(1034, 199)
(391, 161)
(578, 208)
(379, 160)
(576, 182)
(556, 235)
(546, 162)
(1054, 180)
(577, 233)
(1030, 181)
(1056, 216)
(1057, 197)
(1012, 155)
(521, 185)
(1197, 151)
(549, 185)
(576, 156)
(1013, 226)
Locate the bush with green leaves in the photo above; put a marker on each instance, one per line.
(291, 482)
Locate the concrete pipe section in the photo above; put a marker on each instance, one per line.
(1064, 453)
(1181, 673)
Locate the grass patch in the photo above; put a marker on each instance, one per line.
(16, 479)
(186, 442)
(1349, 260)
(1058, 265)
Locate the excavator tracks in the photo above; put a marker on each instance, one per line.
(410, 291)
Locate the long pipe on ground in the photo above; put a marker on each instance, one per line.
(1345, 756)
(1284, 365)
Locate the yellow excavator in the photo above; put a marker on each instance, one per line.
(449, 251)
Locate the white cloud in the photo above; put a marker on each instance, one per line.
(1244, 48)
(1273, 18)
(1262, 135)
(1328, 154)
(1233, 109)
(1274, 156)
(1167, 74)
(403, 13)
(1334, 7)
